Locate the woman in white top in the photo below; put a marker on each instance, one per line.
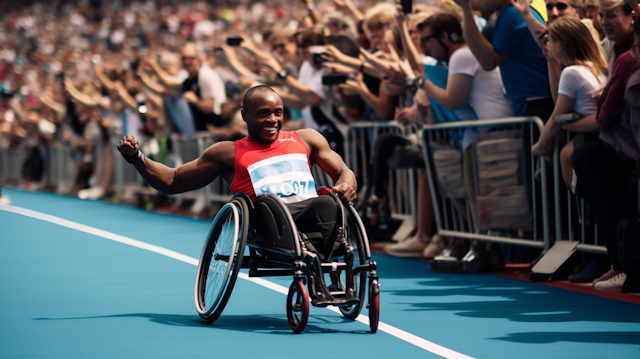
(584, 76)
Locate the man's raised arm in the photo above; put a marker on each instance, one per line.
(216, 160)
(346, 185)
(482, 49)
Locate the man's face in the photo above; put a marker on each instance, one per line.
(557, 8)
(190, 60)
(264, 116)
(431, 46)
(414, 33)
(284, 48)
(592, 12)
(617, 25)
(375, 38)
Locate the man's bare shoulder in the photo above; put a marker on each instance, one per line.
(310, 136)
(223, 152)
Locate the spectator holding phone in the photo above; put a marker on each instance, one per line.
(522, 65)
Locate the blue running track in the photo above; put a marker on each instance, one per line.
(66, 293)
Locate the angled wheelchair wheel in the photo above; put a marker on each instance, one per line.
(297, 306)
(220, 260)
(374, 305)
(355, 237)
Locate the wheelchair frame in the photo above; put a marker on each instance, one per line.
(224, 253)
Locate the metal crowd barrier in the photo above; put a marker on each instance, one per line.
(450, 221)
(11, 160)
(572, 218)
(359, 148)
(61, 168)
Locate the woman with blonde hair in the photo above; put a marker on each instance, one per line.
(585, 75)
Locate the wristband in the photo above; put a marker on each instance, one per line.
(282, 74)
(133, 158)
(361, 70)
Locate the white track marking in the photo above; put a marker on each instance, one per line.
(398, 333)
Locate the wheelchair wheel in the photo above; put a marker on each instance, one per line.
(355, 237)
(374, 305)
(220, 260)
(297, 306)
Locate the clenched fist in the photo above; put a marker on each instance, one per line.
(128, 147)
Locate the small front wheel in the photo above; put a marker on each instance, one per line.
(297, 306)
(374, 305)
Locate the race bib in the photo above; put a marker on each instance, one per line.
(286, 176)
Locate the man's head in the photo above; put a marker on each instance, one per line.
(263, 111)
(376, 21)
(170, 62)
(414, 21)
(313, 36)
(592, 11)
(616, 20)
(558, 8)
(283, 44)
(191, 59)
(440, 35)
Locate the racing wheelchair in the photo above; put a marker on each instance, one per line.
(266, 230)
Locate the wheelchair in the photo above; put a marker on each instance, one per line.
(266, 230)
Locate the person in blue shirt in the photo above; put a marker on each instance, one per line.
(522, 65)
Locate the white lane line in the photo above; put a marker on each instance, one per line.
(398, 333)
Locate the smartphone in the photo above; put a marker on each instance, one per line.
(134, 65)
(407, 6)
(334, 79)
(234, 41)
(567, 118)
(318, 59)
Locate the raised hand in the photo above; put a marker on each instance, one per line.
(128, 146)
(521, 6)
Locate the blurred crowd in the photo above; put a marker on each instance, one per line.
(84, 73)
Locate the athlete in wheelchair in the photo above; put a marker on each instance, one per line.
(277, 214)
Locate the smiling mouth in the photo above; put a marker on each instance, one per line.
(270, 128)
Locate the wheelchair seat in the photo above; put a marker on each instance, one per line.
(271, 229)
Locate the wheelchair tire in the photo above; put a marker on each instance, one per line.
(297, 306)
(221, 260)
(356, 240)
(374, 305)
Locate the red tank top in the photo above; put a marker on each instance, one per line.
(281, 168)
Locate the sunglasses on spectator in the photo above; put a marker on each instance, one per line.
(560, 6)
(426, 39)
(277, 47)
(184, 58)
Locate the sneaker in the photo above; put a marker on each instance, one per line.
(612, 285)
(93, 193)
(5, 200)
(435, 247)
(411, 248)
(591, 271)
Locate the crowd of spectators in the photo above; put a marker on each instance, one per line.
(84, 73)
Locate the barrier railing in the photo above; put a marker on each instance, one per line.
(11, 164)
(359, 149)
(453, 222)
(572, 218)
